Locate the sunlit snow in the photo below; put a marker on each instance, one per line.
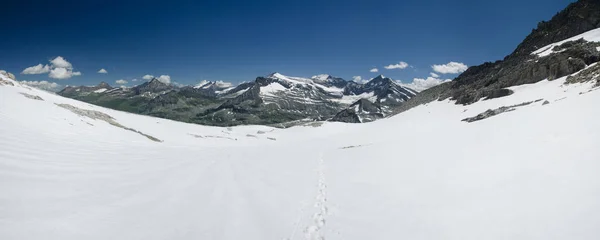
(423, 174)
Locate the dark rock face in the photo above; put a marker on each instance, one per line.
(347, 116)
(361, 111)
(498, 93)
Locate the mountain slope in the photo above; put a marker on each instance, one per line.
(524, 66)
(575, 19)
(530, 173)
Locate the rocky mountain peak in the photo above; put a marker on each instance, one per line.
(155, 81)
(103, 85)
(379, 80)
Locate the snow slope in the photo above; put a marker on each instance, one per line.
(423, 174)
(590, 36)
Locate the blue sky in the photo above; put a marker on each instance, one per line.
(237, 41)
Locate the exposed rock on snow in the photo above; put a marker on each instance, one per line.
(589, 74)
(34, 97)
(500, 110)
(97, 115)
(6, 83)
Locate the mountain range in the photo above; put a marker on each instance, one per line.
(273, 99)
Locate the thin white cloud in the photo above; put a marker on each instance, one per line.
(121, 82)
(147, 77)
(60, 62)
(374, 70)
(59, 68)
(165, 79)
(60, 73)
(44, 85)
(102, 71)
(434, 75)
(37, 69)
(451, 67)
(134, 80)
(420, 84)
(400, 65)
(359, 79)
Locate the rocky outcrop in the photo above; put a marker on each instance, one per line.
(96, 115)
(588, 74)
(34, 97)
(497, 111)
(361, 111)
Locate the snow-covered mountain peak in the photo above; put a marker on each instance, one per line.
(321, 77)
(276, 75)
(291, 80)
(217, 85)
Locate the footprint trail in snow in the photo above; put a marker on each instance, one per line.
(315, 231)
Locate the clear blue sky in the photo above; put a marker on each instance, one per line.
(239, 40)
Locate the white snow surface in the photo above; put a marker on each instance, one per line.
(590, 36)
(527, 174)
(101, 90)
(272, 88)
